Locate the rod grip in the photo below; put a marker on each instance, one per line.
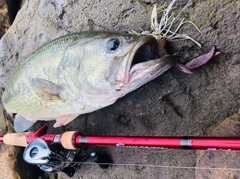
(17, 139)
(68, 140)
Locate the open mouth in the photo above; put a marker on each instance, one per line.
(147, 51)
(144, 62)
(144, 51)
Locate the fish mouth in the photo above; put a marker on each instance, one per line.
(144, 63)
(145, 51)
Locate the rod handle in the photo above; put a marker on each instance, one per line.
(68, 140)
(17, 139)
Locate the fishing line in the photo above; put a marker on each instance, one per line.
(158, 166)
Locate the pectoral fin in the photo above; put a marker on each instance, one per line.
(21, 124)
(46, 89)
(64, 119)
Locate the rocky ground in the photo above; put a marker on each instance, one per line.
(174, 104)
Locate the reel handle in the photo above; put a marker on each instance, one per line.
(102, 160)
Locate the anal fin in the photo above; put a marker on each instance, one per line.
(21, 124)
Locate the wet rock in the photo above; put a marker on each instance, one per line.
(221, 164)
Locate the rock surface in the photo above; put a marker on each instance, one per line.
(173, 104)
(221, 159)
(7, 153)
(4, 18)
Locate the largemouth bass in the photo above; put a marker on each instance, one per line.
(80, 73)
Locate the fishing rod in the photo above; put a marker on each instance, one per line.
(58, 152)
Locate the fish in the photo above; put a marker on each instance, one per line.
(80, 73)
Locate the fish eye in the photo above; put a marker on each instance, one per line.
(113, 44)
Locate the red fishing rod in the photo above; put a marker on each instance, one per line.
(55, 152)
(73, 140)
